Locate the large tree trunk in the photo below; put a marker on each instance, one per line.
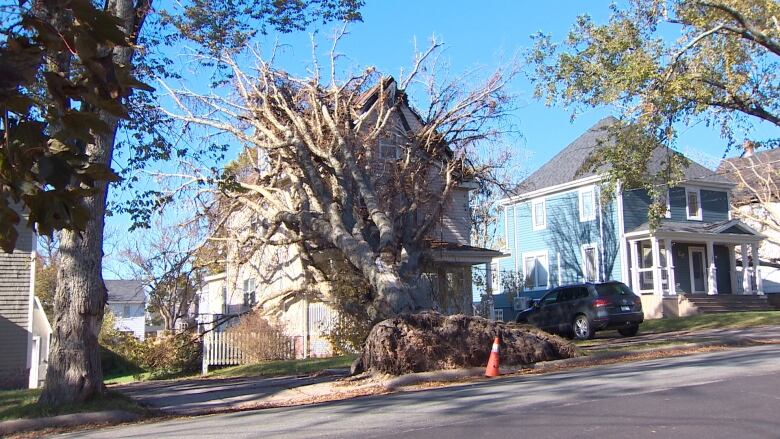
(74, 373)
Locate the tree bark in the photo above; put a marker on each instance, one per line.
(74, 373)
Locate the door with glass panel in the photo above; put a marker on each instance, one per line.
(698, 266)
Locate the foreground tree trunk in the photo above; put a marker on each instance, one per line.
(430, 341)
(74, 373)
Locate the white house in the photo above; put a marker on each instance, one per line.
(127, 301)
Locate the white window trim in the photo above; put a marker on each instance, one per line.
(496, 269)
(536, 254)
(669, 203)
(534, 203)
(584, 265)
(499, 313)
(506, 226)
(698, 216)
(592, 190)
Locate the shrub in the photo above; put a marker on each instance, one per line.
(163, 356)
(259, 340)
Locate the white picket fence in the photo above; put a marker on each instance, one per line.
(231, 349)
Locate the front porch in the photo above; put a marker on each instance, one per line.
(449, 273)
(684, 259)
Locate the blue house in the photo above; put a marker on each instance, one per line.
(558, 231)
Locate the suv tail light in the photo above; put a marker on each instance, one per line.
(600, 302)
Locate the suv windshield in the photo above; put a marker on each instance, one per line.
(613, 289)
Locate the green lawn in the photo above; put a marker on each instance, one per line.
(731, 320)
(15, 404)
(284, 367)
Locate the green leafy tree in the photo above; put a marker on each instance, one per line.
(722, 71)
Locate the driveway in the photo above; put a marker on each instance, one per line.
(198, 396)
(716, 395)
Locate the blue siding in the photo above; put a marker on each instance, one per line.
(564, 237)
(714, 204)
(635, 205)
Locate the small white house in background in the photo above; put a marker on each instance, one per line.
(127, 301)
(24, 329)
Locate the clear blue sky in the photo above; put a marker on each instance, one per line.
(475, 34)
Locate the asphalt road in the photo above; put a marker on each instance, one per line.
(728, 394)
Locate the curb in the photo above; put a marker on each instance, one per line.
(71, 420)
(558, 365)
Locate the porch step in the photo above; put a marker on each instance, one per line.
(730, 303)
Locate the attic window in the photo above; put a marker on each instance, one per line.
(587, 204)
(388, 150)
(693, 198)
(539, 214)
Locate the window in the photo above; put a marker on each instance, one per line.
(550, 298)
(499, 314)
(495, 276)
(539, 214)
(126, 311)
(249, 292)
(668, 204)
(388, 150)
(645, 269)
(693, 197)
(587, 204)
(536, 272)
(590, 263)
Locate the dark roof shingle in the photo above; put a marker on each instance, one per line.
(568, 164)
(125, 291)
(751, 175)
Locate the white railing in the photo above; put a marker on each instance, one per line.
(231, 348)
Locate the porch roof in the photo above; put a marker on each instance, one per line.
(730, 231)
(442, 251)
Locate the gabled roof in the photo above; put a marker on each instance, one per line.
(733, 226)
(125, 291)
(568, 165)
(758, 171)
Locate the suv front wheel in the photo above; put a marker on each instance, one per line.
(581, 328)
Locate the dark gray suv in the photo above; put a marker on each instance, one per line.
(582, 309)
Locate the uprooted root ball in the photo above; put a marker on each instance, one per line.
(431, 341)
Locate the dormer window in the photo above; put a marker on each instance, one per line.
(388, 150)
(693, 198)
(539, 214)
(587, 204)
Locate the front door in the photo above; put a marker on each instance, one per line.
(698, 266)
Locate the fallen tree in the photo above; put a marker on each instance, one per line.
(431, 341)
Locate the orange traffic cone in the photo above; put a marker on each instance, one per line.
(492, 366)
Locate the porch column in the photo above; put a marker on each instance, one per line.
(757, 269)
(733, 268)
(634, 265)
(670, 267)
(712, 282)
(489, 290)
(657, 288)
(746, 286)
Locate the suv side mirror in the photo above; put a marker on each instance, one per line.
(537, 303)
